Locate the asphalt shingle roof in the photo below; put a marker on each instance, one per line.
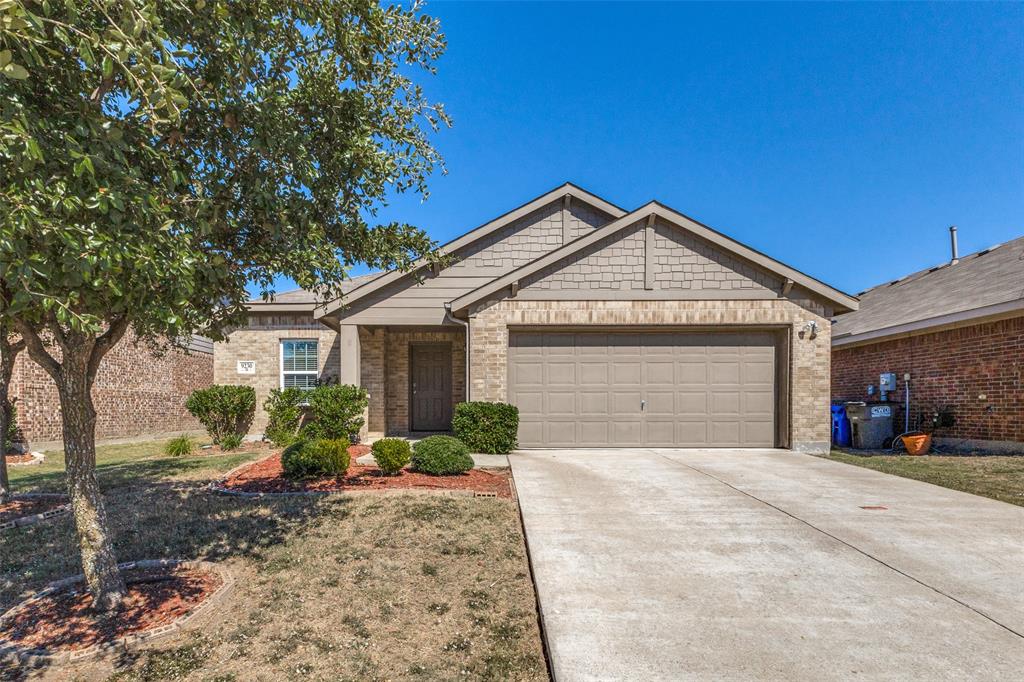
(307, 296)
(985, 278)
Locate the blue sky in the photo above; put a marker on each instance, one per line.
(840, 139)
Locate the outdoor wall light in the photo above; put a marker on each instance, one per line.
(811, 329)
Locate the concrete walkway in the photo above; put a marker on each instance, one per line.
(764, 564)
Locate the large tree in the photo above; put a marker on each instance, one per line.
(160, 155)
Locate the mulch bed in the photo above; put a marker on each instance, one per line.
(267, 476)
(64, 622)
(19, 507)
(17, 458)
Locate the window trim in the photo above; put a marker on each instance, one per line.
(280, 361)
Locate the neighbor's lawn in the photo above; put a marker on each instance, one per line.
(1001, 478)
(338, 588)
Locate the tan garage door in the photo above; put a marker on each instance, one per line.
(681, 389)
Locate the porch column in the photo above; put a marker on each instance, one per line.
(348, 342)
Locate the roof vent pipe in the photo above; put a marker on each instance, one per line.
(952, 245)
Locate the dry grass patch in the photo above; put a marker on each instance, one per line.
(1001, 478)
(343, 588)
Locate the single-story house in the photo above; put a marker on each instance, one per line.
(957, 330)
(606, 327)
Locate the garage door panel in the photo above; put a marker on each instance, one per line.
(562, 373)
(579, 389)
(594, 403)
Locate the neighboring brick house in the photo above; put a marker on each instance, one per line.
(958, 330)
(605, 327)
(136, 392)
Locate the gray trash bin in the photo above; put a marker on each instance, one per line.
(870, 424)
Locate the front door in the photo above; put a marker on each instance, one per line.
(430, 387)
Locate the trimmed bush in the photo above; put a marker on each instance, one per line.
(391, 454)
(315, 459)
(232, 441)
(335, 411)
(284, 415)
(487, 427)
(223, 409)
(180, 446)
(441, 456)
(12, 428)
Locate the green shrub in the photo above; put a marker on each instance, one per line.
(12, 428)
(315, 458)
(335, 411)
(223, 409)
(232, 441)
(284, 415)
(180, 446)
(441, 456)
(487, 427)
(391, 454)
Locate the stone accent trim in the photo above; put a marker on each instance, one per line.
(808, 424)
(30, 656)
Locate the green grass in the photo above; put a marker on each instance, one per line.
(1001, 478)
(338, 588)
(119, 465)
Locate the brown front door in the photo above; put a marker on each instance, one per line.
(430, 387)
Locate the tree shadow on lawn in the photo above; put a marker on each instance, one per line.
(164, 520)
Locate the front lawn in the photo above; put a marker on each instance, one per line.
(1001, 478)
(343, 587)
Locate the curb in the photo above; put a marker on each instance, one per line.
(33, 519)
(33, 656)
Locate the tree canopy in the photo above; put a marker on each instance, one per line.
(159, 156)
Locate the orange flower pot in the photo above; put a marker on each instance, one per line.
(917, 443)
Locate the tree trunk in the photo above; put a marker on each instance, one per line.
(5, 482)
(74, 386)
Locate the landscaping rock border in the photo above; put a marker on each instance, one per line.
(33, 519)
(37, 459)
(34, 656)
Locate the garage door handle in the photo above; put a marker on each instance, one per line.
(643, 404)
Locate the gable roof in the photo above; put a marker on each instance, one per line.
(301, 300)
(982, 284)
(383, 279)
(654, 208)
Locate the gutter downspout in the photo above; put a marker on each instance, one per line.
(465, 325)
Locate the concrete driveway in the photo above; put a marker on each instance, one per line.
(766, 564)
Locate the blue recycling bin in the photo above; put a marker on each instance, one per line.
(840, 426)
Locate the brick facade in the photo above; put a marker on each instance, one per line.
(954, 368)
(809, 427)
(136, 393)
(261, 341)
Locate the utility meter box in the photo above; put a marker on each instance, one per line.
(887, 382)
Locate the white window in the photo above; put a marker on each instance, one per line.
(299, 363)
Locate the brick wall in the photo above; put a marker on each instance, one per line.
(261, 341)
(953, 367)
(136, 393)
(809, 420)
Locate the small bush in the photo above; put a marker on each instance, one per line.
(335, 411)
(487, 427)
(284, 415)
(315, 459)
(181, 446)
(223, 409)
(391, 454)
(441, 456)
(232, 441)
(12, 428)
